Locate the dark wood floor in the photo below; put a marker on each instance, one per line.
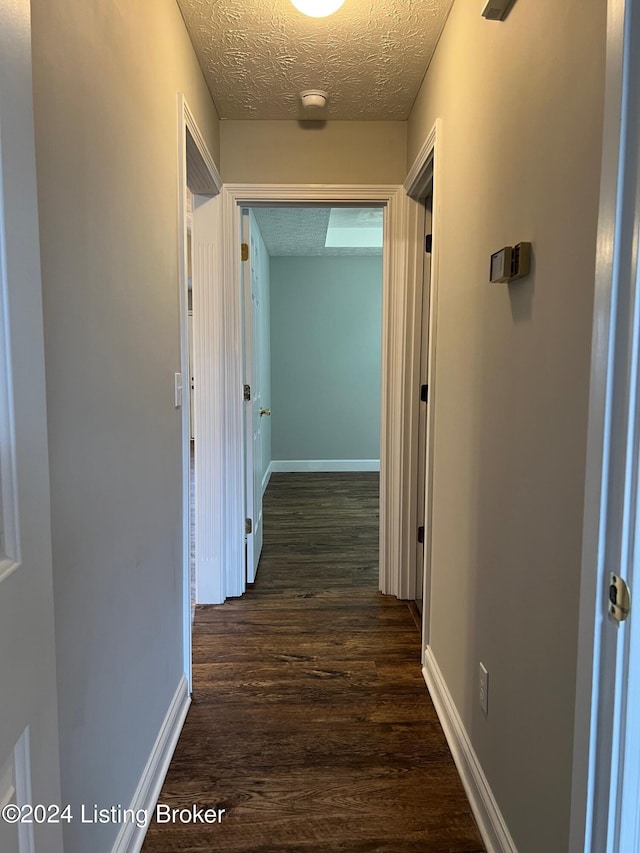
(311, 723)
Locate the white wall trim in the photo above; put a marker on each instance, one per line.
(392, 467)
(210, 174)
(267, 477)
(324, 465)
(131, 836)
(417, 178)
(483, 804)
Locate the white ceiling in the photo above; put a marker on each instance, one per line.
(302, 231)
(370, 56)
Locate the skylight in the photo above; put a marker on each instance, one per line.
(354, 227)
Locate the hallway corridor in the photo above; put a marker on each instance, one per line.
(311, 724)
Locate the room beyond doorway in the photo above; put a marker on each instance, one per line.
(312, 283)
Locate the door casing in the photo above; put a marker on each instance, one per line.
(198, 172)
(394, 474)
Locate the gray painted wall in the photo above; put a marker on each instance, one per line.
(105, 81)
(326, 321)
(333, 152)
(521, 110)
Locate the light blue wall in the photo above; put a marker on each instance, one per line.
(326, 328)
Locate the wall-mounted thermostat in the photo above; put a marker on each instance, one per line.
(510, 263)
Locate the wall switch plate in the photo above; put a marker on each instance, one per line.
(483, 694)
(178, 390)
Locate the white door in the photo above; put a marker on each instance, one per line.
(606, 783)
(253, 407)
(29, 760)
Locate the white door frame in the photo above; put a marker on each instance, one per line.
(198, 172)
(424, 172)
(606, 775)
(393, 573)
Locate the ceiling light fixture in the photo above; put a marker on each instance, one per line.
(317, 8)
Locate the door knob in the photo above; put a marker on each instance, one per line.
(265, 412)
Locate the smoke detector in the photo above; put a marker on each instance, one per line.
(496, 10)
(314, 99)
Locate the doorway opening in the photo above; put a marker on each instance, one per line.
(422, 220)
(237, 197)
(423, 533)
(199, 186)
(312, 280)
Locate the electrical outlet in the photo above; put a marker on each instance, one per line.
(483, 694)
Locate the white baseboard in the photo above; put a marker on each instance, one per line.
(267, 477)
(483, 804)
(297, 466)
(131, 836)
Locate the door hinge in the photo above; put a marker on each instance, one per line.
(248, 526)
(428, 243)
(421, 534)
(244, 251)
(246, 392)
(424, 393)
(619, 598)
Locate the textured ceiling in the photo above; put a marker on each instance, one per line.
(301, 231)
(370, 56)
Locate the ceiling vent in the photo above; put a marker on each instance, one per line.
(496, 10)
